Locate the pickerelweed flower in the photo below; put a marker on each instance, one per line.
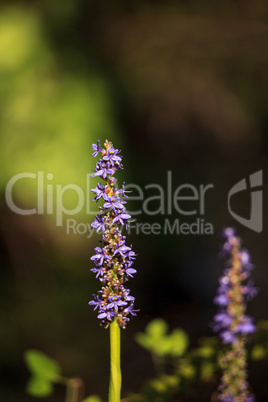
(231, 322)
(113, 260)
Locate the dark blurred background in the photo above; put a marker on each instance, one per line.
(178, 86)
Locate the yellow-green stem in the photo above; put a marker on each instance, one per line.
(115, 366)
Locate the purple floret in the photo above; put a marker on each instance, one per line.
(113, 202)
(115, 302)
(121, 216)
(98, 270)
(96, 148)
(106, 313)
(98, 223)
(100, 255)
(103, 169)
(96, 302)
(112, 156)
(99, 191)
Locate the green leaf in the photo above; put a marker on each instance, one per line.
(157, 328)
(207, 370)
(164, 383)
(179, 343)
(144, 340)
(262, 325)
(171, 381)
(205, 352)
(162, 346)
(39, 387)
(92, 398)
(187, 370)
(258, 352)
(211, 341)
(158, 385)
(156, 339)
(42, 366)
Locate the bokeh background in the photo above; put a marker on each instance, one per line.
(178, 86)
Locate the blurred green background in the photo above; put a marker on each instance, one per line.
(178, 86)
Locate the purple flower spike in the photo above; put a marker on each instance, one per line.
(231, 322)
(113, 262)
(231, 287)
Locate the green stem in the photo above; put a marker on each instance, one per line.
(115, 374)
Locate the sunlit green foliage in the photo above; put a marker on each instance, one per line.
(50, 115)
(177, 367)
(92, 398)
(259, 349)
(45, 372)
(158, 341)
(39, 387)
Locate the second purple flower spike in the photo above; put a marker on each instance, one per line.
(231, 322)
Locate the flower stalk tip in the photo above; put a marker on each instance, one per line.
(113, 260)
